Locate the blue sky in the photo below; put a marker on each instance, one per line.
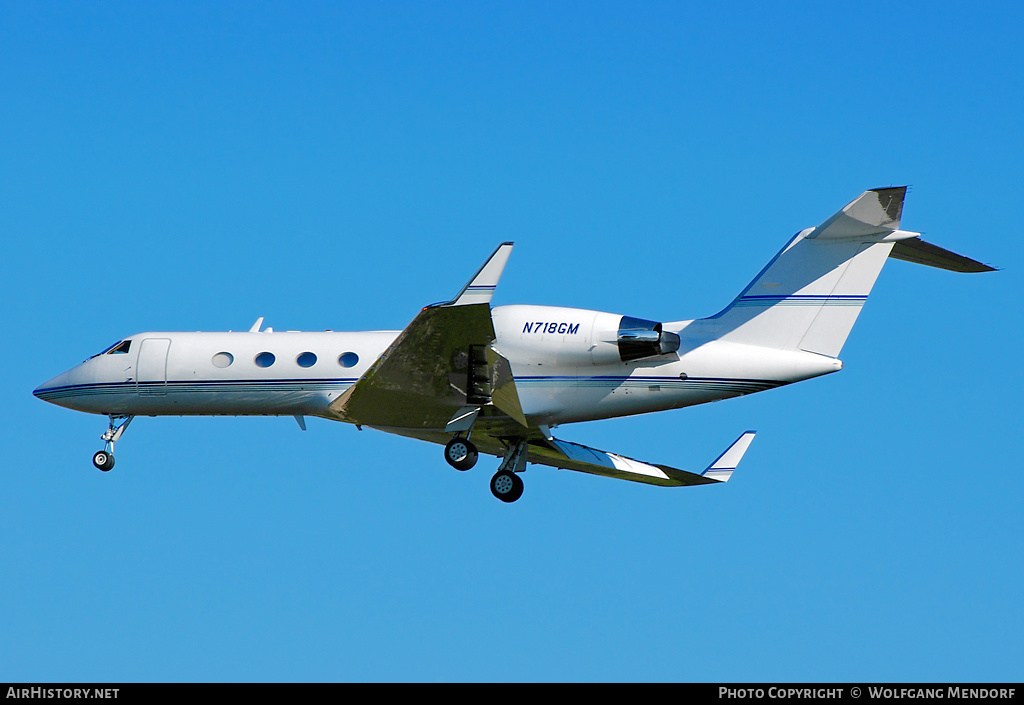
(192, 166)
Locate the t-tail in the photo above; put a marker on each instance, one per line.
(809, 296)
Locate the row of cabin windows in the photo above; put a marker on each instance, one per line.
(266, 359)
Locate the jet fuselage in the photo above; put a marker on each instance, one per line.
(565, 361)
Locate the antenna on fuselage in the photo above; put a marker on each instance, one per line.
(256, 326)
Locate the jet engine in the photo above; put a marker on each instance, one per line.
(568, 337)
(639, 338)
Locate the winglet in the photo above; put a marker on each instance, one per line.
(480, 288)
(722, 468)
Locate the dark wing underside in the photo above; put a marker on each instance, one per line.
(441, 371)
(439, 365)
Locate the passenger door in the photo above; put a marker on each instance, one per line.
(151, 377)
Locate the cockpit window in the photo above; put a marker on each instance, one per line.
(120, 346)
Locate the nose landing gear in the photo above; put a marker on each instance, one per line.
(104, 459)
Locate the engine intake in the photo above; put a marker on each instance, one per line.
(638, 338)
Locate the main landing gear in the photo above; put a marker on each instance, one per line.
(104, 459)
(506, 484)
(460, 453)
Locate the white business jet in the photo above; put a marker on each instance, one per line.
(497, 381)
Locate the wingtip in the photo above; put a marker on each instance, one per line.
(723, 467)
(481, 287)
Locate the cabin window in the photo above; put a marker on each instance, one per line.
(223, 359)
(306, 359)
(265, 359)
(348, 359)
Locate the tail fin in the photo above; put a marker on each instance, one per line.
(810, 294)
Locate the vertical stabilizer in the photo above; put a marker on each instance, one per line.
(810, 294)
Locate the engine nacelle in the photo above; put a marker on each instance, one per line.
(638, 338)
(571, 337)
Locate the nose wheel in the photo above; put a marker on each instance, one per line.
(104, 459)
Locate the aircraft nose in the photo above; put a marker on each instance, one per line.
(51, 390)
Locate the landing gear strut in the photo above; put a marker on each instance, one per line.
(506, 484)
(104, 459)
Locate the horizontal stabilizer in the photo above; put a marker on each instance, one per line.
(810, 295)
(918, 251)
(873, 213)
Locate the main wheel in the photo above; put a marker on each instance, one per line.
(507, 486)
(103, 460)
(460, 454)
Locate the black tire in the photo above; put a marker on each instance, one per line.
(460, 454)
(507, 486)
(103, 460)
